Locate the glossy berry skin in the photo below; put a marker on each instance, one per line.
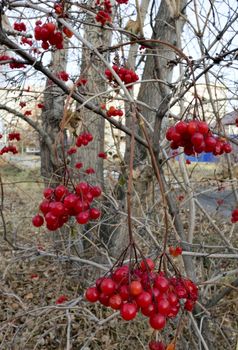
(135, 288)
(107, 286)
(148, 264)
(48, 192)
(156, 345)
(37, 220)
(83, 217)
(60, 192)
(162, 284)
(181, 127)
(163, 306)
(197, 139)
(94, 213)
(121, 273)
(92, 294)
(128, 311)
(115, 302)
(144, 299)
(157, 321)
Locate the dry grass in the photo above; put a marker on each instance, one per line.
(30, 285)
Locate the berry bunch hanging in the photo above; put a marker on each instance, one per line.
(13, 64)
(113, 112)
(103, 15)
(128, 76)
(196, 137)
(143, 289)
(19, 26)
(62, 203)
(11, 148)
(48, 34)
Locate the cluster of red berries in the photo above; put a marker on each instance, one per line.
(196, 137)
(60, 204)
(120, 2)
(128, 76)
(113, 112)
(27, 41)
(159, 345)
(103, 15)
(143, 289)
(234, 216)
(19, 26)
(48, 34)
(8, 149)
(14, 136)
(175, 251)
(63, 75)
(83, 139)
(13, 64)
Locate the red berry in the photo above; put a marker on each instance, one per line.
(162, 284)
(147, 265)
(157, 321)
(135, 288)
(48, 192)
(192, 127)
(181, 127)
(203, 128)
(96, 191)
(94, 213)
(124, 292)
(144, 299)
(44, 206)
(70, 200)
(128, 311)
(149, 310)
(189, 305)
(92, 294)
(37, 220)
(197, 139)
(57, 208)
(156, 345)
(108, 286)
(60, 192)
(104, 299)
(83, 217)
(115, 302)
(82, 188)
(163, 306)
(210, 143)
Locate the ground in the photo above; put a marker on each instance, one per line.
(31, 283)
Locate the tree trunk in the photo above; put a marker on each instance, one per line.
(51, 164)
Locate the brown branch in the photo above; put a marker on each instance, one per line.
(39, 67)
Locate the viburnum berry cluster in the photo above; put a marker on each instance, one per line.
(11, 148)
(128, 76)
(48, 34)
(113, 112)
(104, 13)
(234, 216)
(83, 139)
(120, 2)
(62, 203)
(175, 251)
(8, 149)
(143, 289)
(19, 26)
(14, 136)
(196, 137)
(159, 345)
(13, 64)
